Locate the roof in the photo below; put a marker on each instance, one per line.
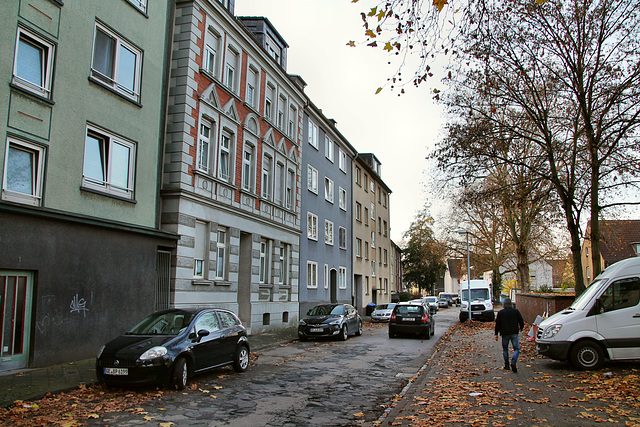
(616, 238)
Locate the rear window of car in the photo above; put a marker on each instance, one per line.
(408, 309)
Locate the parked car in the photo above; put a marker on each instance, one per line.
(330, 320)
(411, 318)
(451, 298)
(433, 302)
(443, 303)
(170, 346)
(382, 312)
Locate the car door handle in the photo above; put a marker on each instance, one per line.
(637, 315)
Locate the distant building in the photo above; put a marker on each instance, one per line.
(372, 259)
(620, 239)
(82, 116)
(326, 248)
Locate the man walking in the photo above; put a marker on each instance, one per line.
(509, 324)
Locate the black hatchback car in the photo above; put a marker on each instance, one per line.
(170, 346)
(330, 320)
(411, 318)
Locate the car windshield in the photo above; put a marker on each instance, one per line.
(476, 294)
(327, 309)
(432, 299)
(585, 297)
(162, 323)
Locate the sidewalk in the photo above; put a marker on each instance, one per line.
(32, 384)
(464, 383)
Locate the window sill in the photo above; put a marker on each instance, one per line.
(113, 196)
(222, 283)
(26, 91)
(201, 282)
(115, 92)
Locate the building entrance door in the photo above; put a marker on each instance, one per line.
(16, 290)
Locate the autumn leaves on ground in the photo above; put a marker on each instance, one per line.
(463, 385)
(466, 385)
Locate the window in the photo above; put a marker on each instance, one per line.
(384, 228)
(342, 237)
(328, 232)
(268, 101)
(312, 226)
(373, 239)
(200, 250)
(373, 267)
(266, 177)
(384, 199)
(366, 285)
(366, 216)
(358, 176)
(264, 262)
(366, 182)
(284, 264)
(225, 157)
(291, 179)
(342, 198)
(211, 49)
(342, 277)
(358, 211)
(342, 161)
(140, 4)
(312, 179)
(313, 135)
(247, 167)
(373, 186)
(231, 66)
(366, 250)
(358, 247)
(252, 85)
(221, 254)
(326, 276)
(23, 172)
(293, 119)
(278, 185)
(379, 225)
(373, 211)
(282, 102)
(33, 63)
(116, 63)
(328, 148)
(328, 189)
(312, 274)
(204, 146)
(108, 163)
(621, 294)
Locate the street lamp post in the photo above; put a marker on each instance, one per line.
(468, 274)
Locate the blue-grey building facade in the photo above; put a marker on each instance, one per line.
(326, 247)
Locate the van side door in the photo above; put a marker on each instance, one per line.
(618, 318)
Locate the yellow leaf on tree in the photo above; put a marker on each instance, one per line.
(388, 47)
(378, 90)
(370, 33)
(351, 43)
(439, 4)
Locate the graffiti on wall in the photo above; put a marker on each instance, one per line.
(79, 305)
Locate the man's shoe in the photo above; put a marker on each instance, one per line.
(506, 366)
(513, 367)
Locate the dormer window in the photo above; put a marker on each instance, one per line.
(636, 248)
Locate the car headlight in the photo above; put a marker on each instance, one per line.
(153, 353)
(551, 331)
(335, 321)
(100, 351)
(302, 322)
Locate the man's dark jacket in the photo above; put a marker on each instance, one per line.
(509, 322)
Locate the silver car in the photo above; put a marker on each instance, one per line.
(382, 312)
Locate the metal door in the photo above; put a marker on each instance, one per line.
(16, 289)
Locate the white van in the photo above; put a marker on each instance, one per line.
(603, 322)
(481, 304)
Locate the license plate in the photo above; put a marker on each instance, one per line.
(316, 330)
(116, 371)
(409, 319)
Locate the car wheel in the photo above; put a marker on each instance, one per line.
(587, 355)
(392, 334)
(302, 338)
(359, 331)
(180, 375)
(344, 334)
(428, 336)
(241, 359)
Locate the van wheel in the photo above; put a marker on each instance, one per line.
(587, 355)
(180, 375)
(492, 317)
(463, 317)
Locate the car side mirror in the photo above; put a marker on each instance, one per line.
(202, 333)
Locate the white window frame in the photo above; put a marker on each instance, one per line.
(342, 198)
(105, 183)
(46, 51)
(329, 148)
(312, 226)
(313, 134)
(358, 212)
(284, 264)
(358, 176)
(358, 247)
(293, 120)
(342, 237)
(328, 232)
(37, 162)
(326, 276)
(372, 211)
(204, 160)
(267, 165)
(113, 81)
(290, 188)
(221, 254)
(211, 56)
(342, 160)
(248, 165)
(282, 112)
(373, 239)
(269, 96)
(231, 68)
(201, 243)
(342, 277)
(141, 5)
(253, 86)
(312, 179)
(328, 189)
(263, 274)
(312, 275)
(225, 155)
(278, 183)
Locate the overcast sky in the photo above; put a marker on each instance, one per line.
(342, 81)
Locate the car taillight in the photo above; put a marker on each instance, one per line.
(393, 317)
(425, 318)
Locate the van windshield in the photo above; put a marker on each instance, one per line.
(587, 295)
(476, 294)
